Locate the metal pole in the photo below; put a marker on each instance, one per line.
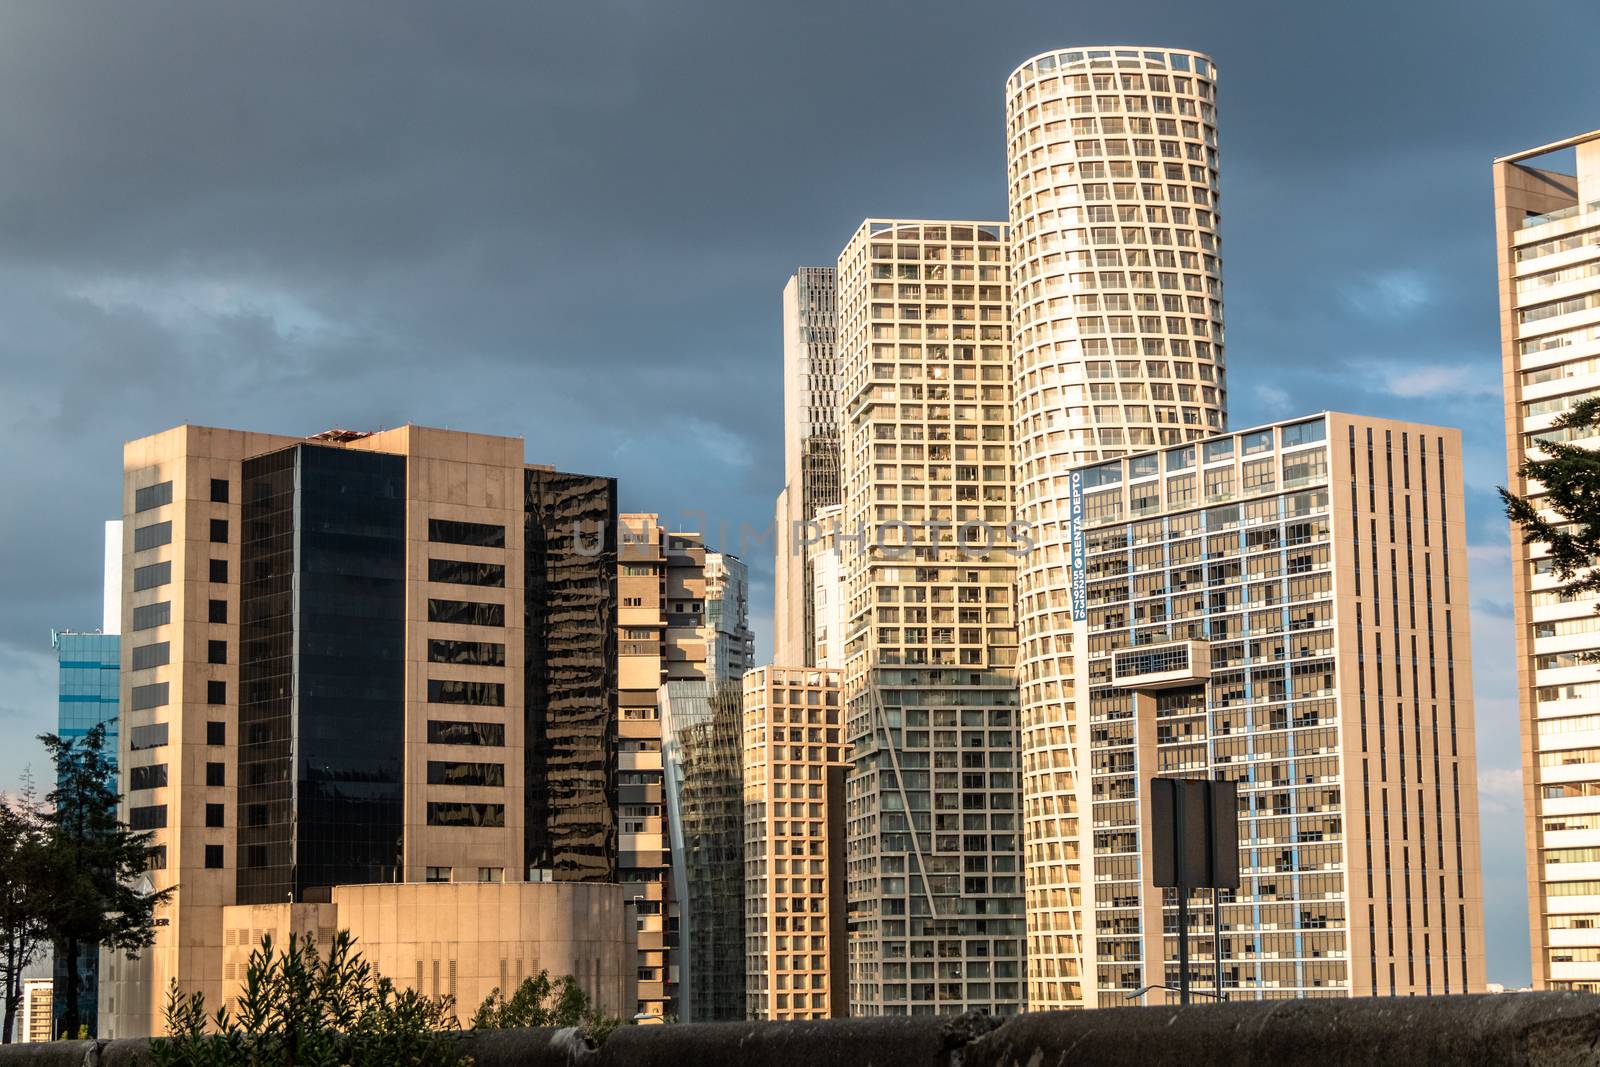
(1183, 944)
(1216, 938)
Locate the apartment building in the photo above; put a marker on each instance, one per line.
(683, 617)
(796, 959)
(1286, 607)
(1116, 296)
(1547, 229)
(929, 568)
(357, 659)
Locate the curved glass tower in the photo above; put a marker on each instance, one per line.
(1117, 332)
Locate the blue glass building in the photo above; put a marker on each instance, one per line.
(89, 666)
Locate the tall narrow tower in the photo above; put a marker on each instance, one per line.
(1548, 231)
(1117, 332)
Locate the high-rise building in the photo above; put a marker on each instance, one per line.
(701, 762)
(683, 617)
(730, 643)
(796, 963)
(810, 451)
(1116, 295)
(34, 1022)
(356, 659)
(88, 665)
(928, 556)
(1547, 222)
(827, 589)
(1286, 607)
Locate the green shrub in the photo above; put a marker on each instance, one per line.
(302, 1008)
(538, 1001)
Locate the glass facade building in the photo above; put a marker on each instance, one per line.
(89, 666)
(702, 760)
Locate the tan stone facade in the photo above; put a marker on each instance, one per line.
(437, 756)
(459, 942)
(1547, 228)
(794, 767)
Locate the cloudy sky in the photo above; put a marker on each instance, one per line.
(573, 223)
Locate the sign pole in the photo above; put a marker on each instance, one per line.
(1183, 944)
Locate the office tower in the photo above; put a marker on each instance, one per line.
(34, 1021)
(1286, 607)
(1117, 303)
(730, 643)
(810, 450)
(794, 845)
(88, 666)
(701, 762)
(1547, 227)
(924, 356)
(346, 659)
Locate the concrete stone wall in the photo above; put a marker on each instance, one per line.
(1516, 1030)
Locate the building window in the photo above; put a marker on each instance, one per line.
(216, 733)
(214, 815)
(216, 692)
(150, 776)
(473, 653)
(438, 874)
(216, 774)
(219, 531)
(152, 615)
(219, 490)
(466, 733)
(152, 496)
(466, 572)
(156, 859)
(216, 652)
(214, 857)
(148, 696)
(153, 536)
(156, 655)
(466, 612)
(452, 532)
(442, 813)
(152, 576)
(482, 774)
(482, 694)
(153, 735)
(491, 874)
(153, 817)
(218, 611)
(219, 570)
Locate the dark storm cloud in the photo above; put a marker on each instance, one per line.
(573, 223)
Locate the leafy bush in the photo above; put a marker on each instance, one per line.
(301, 1008)
(538, 1001)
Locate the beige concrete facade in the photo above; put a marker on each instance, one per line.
(1116, 292)
(794, 810)
(459, 941)
(1547, 229)
(181, 731)
(1286, 607)
(34, 1022)
(928, 557)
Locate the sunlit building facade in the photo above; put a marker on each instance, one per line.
(1116, 294)
(1286, 607)
(1547, 216)
(929, 568)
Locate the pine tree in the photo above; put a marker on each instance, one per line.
(22, 894)
(93, 864)
(1570, 477)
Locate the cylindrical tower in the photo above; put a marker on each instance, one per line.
(1117, 327)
